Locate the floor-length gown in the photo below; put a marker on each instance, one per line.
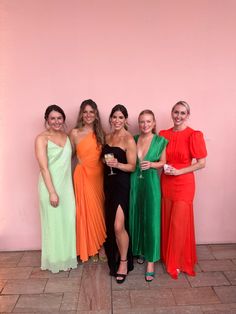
(178, 238)
(117, 188)
(58, 223)
(88, 184)
(145, 203)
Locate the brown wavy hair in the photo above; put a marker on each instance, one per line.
(97, 126)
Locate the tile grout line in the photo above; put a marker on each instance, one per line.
(80, 287)
(15, 303)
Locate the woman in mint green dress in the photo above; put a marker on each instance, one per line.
(57, 203)
(145, 195)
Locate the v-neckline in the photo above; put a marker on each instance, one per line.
(143, 157)
(59, 145)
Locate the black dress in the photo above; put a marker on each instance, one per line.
(116, 188)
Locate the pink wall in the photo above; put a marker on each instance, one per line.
(143, 53)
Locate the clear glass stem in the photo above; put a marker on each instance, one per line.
(111, 172)
(141, 174)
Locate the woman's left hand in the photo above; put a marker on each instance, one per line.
(172, 171)
(145, 165)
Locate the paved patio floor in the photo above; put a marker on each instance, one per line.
(24, 288)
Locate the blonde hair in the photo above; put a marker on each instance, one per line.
(182, 103)
(148, 111)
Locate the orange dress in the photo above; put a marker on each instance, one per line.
(88, 185)
(178, 239)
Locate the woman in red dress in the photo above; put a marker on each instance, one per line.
(185, 153)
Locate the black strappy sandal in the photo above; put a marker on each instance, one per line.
(120, 278)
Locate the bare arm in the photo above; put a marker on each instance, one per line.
(154, 164)
(130, 155)
(41, 155)
(199, 164)
(72, 140)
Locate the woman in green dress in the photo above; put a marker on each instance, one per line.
(145, 195)
(57, 202)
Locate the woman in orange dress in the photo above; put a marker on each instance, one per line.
(185, 153)
(87, 139)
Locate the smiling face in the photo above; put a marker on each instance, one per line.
(180, 116)
(55, 121)
(117, 120)
(146, 123)
(88, 115)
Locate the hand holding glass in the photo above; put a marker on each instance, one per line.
(109, 157)
(140, 169)
(167, 168)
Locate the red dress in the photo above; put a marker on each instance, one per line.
(178, 239)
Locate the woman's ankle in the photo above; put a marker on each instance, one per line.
(123, 267)
(150, 266)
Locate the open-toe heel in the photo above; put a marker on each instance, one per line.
(102, 258)
(120, 278)
(94, 258)
(149, 274)
(140, 259)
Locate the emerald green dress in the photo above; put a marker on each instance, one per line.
(145, 202)
(58, 223)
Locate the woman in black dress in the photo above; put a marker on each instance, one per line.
(120, 156)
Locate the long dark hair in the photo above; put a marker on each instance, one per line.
(120, 108)
(148, 111)
(97, 126)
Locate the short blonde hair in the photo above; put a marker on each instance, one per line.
(183, 103)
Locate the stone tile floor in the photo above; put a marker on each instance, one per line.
(24, 288)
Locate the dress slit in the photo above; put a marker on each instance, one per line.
(116, 190)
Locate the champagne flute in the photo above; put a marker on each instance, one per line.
(140, 169)
(109, 157)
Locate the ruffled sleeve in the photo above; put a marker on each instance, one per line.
(162, 133)
(162, 142)
(197, 145)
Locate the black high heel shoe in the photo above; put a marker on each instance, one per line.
(120, 278)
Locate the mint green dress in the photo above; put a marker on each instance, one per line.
(58, 223)
(145, 203)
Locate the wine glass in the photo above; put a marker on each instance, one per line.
(140, 169)
(109, 157)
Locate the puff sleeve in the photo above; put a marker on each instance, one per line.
(197, 145)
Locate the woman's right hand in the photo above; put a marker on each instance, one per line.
(113, 162)
(54, 199)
